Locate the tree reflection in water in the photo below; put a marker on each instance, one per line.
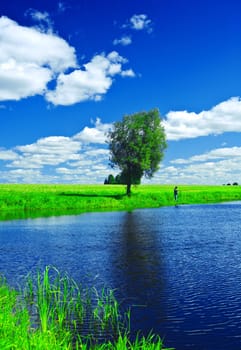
(140, 270)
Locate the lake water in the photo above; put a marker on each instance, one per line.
(178, 267)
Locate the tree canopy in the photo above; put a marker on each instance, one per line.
(137, 145)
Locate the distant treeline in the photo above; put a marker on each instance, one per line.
(120, 179)
(229, 184)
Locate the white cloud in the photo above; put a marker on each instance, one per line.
(43, 18)
(100, 152)
(216, 154)
(141, 22)
(82, 158)
(30, 162)
(37, 15)
(209, 172)
(52, 150)
(128, 73)
(88, 84)
(55, 145)
(31, 58)
(7, 154)
(84, 163)
(92, 167)
(94, 135)
(212, 173)
(27, 176)
(26, 45)
(224, 117)
(21, 172)
(124, 40)
(218, 166)
(19, 80)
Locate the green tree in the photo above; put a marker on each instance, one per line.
(137, 145)
(135, 180)
(118, 179)
(111, 179)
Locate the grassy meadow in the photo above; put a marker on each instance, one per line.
(20, 200)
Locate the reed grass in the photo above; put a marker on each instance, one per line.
(21, 201)
(53, 312)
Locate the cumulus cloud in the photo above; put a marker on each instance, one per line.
(8, 154)
(224, 117)
(96, 134)
(92, 167)
(26, 176)
(218, 166)
(140, 22)
(210, 172)
(90, 83)
(213, 155)
(82, 158)
(25, 45)
(128, 73)
(19, 80)
(51, 150)
(31, 58)
(213, 173)
(56, 145)
(124, 40)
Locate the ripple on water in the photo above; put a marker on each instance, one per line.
(179, 268)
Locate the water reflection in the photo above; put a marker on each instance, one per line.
(140, 268)
(179, 267)
(40, 213)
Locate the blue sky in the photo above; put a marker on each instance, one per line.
(69, 69)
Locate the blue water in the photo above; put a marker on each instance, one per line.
(179, 268)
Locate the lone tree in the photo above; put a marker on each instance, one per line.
(137, 145)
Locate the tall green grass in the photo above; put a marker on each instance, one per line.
(21, 201)
(53, 312)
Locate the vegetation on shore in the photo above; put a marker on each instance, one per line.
(21, 201)
(53, 312)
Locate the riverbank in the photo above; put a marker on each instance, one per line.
(54, 312)
(35, 200)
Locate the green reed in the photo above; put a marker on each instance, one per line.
(54, 312)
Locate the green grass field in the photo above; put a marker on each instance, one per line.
(20, 200)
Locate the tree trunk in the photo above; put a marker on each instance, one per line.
(128, 189)
(128, 182)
